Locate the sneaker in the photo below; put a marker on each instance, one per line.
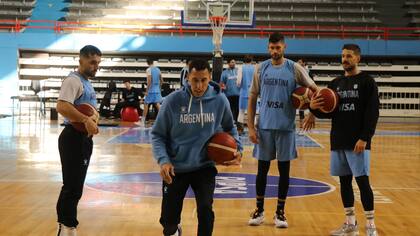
(280, 220)
(346, 230)
(178, 231)
(371, 230)
(63, 230)
(257, 218)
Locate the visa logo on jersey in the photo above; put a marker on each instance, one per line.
(275, 104)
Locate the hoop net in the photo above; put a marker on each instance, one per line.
(218, 24)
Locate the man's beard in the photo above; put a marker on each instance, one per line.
(90, 74)
(276, 56)
(348, 68)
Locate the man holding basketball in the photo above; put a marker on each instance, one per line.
(274, 81)
(188, 119)
(353, 126)
(75, 147)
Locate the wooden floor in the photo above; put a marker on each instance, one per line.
(30, 180)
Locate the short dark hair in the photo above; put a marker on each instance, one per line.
(229, 59)
(199, 65)
(187, 61)
(353, 47)
(149, 61)
(248, 58)
(126, 80)
(276, 37)
(89, 50)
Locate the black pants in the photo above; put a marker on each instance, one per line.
(203, 183)
(234, 107)
(366, 193)
(121, 105)
(75, 150)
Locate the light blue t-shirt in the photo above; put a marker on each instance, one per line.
(229, 78)
(247, 75)
(155, 80)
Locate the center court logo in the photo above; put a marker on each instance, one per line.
(228, 185)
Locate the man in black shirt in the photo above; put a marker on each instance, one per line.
(353, 125)
(130, 98)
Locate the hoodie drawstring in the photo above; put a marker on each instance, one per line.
(201, 109)
(189, 105)
(201, 113)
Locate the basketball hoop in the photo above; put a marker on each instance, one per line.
(218, 24)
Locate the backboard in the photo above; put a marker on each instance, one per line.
(239, 13)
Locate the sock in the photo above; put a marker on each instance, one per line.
(260, 203)
(370, 217)
(350, 216)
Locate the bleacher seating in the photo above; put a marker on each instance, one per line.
(309, 12)
(413, 10)
(124, 13)
(141, 14)
(399, 85)
(51, 68)
(12, 11)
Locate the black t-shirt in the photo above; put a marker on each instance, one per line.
(131, 95)
(357, 112)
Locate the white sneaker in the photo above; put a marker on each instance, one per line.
(280, 220)
(371, 230)
(257, 218)
(346, 230)
(66, 231)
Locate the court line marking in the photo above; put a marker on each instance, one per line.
(125, 131)
(115, 136)
(270, 185)
(314, 140)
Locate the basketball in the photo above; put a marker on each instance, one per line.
(301, 98)
(88, 110)
(221, 148)
(330, 99)
(129, 114)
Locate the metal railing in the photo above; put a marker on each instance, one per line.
(383, 33)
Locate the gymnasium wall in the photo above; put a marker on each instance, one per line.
(10, 43)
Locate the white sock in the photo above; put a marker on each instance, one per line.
(241, 116)
(350, 216)
(370, 217)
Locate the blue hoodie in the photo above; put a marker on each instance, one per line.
(184, 125)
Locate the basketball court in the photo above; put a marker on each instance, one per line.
(122, 190)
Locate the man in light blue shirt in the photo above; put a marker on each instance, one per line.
(228, 82)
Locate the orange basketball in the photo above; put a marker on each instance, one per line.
(88, 110)
(330, 100)
(301, 98)
(221, 148)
